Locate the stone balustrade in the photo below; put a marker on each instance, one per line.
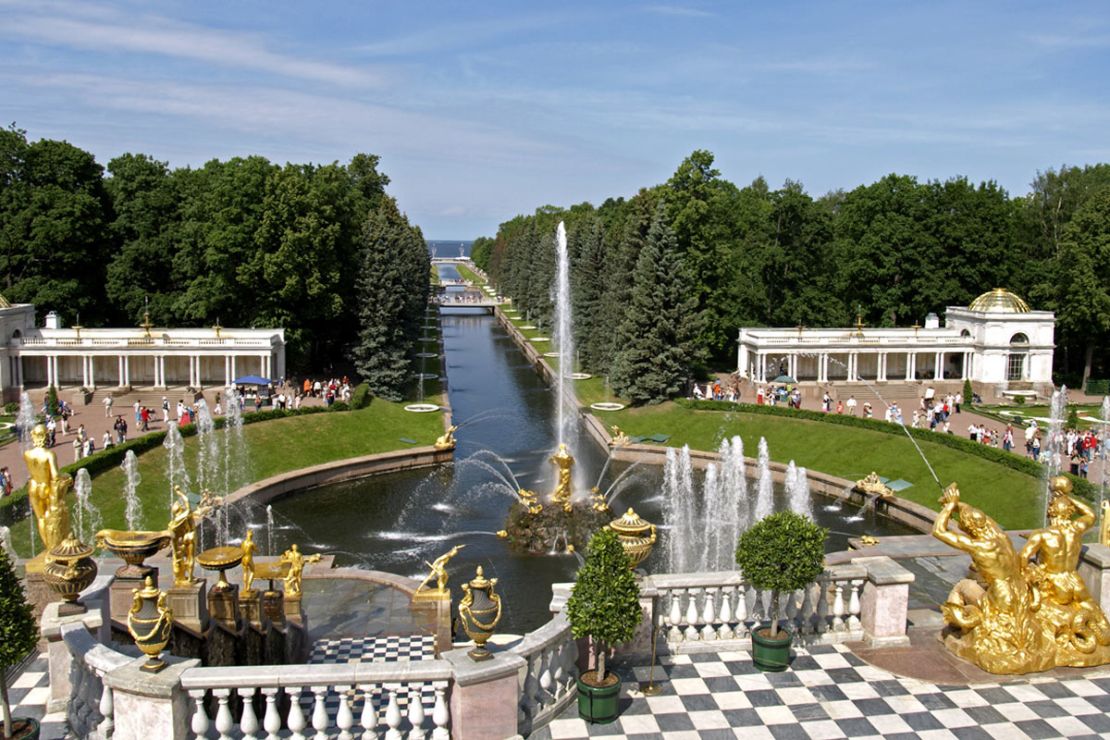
(547, 685)
(406, 699)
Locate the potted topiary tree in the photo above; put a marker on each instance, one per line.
(604, 606)
(781, 554)
(18, 635)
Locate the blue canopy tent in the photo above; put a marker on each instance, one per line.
(251, 380)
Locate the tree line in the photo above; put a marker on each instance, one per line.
(319, 249)
(664, 279)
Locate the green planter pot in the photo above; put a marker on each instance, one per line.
(598, 704)
(24, 728)
(771, 654)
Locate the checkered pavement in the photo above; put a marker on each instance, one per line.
(830, 693)
(28, 695)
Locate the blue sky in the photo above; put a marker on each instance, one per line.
(484, 110)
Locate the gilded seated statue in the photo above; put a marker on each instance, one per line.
(47, 490)
(562, 492)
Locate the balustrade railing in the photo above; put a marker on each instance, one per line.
(90, 710)
(710, 607)
(407, 699)
(547, 685)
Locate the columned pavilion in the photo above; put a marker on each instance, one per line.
(145, 356)
(997, 340)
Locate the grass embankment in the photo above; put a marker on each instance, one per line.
(467, 274)
(274, 447)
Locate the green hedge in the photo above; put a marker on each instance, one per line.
(1099, 387)
(997, 455)
(360, 398)
(112, 457)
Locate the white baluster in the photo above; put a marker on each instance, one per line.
(708, 614)
(854, 606)
(225, 723)
(248, 722)
(691, 632)
(741, 610)
(674, 619)
(530, 690)
(559, 674)
(539, 696)
(271, 720)
(822, 621)
(199, 723)
(805, 614)
(570, 662)
(547, 682)
(838, 608)
(393, 718)
(344, 719)
(296, 719)
(441, 716)
(107, 709)
(416, 714)
(790, 609)
(320, 712)
(725, 617)
(369, 717)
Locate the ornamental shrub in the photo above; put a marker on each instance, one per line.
(605, 601)
(968, 394)
(782, 552)
(18, 632)
(360, 398)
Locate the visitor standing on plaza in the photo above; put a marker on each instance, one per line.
(108, 406)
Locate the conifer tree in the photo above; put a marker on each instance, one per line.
(18, 632)
(661, 324)
(589, 283)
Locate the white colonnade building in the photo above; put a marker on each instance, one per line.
(997, 342)
(145, 356)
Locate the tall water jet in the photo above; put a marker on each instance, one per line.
(87, 515)
(679, 507)
(176, 473)
(737, 515)
(270, 550)
(25, 421)
(800, 501)
(1054, 448)
(716, 537)
(564, 343)
(765, 491)
(133, 509)
(208, 450)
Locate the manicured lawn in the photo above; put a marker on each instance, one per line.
(1012, 414)
(847, 452)
(468, 274)
(274, 447)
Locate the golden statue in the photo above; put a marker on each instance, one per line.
(530, 501)
(183, 531)
(872, 485)
(619, 438)
(868, 540)
(597, 500)
(995, 623)
(296, 562)
(47, 490)
(438, 571)
(563, 460)
(248, 547)
(1051, 560)
(446, 441)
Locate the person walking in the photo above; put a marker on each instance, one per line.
(108, 406)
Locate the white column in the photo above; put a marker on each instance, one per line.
(266, 370)
(194, 371)
(126, 370)
(160, 371)
(119, 370)
(227, 370)
(938, 366)
(50, 378)
(233, 373)
(92, 373)
(880, 375)
(742, 360)
(911, 365)
(19, 371)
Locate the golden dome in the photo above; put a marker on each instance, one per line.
(999, 300)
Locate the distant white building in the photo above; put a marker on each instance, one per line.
(997, 341)
(145, 356)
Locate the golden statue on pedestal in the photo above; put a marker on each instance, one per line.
(562, 460)
(619, 438)
(183, 531)
(296, 563)
(248, 547)
(438, 572)
(47, 490)
(1032, 611)
(530, 501)
(872, 485)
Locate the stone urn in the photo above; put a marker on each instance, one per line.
(69, 570)
(149, 622)
(637, 536)
(479, 612)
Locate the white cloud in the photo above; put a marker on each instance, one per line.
(96, 29)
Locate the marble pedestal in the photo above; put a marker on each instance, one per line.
(223, 606)
(190, 605)
(121, 594)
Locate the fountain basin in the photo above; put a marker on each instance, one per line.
(429, 339)
(540, 339)
(527, 327)
(606, 406)
(421, 408)
(426, 355)
(552, 354)
(580, 376)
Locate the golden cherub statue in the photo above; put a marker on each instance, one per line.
(183, 533)
(47, 490)
(530, 501)
(439, 571)
(619, 438)
(296, 562)
(446, 441)
(564, 461)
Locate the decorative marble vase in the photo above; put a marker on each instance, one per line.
(637, 536)
(70, 569)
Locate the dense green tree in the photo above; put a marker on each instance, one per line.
(18, 632)
(481, 251)
(589, 284)
(661, 324)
